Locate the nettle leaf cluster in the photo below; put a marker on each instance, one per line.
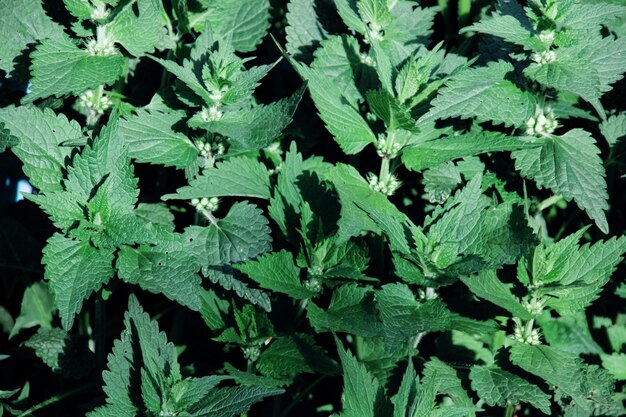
(443, 238)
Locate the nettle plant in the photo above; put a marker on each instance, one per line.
(440, 242)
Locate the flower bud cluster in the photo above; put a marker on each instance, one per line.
(102, 45)
(534, 306)
(543, 123)
(366, 59)
(211, 114)
(93, 104)
(206, 204)
(543, 57)
(207, 149)
(387, 148)
(534, 338)
(99, 12)
(386, 186)
(525, 333)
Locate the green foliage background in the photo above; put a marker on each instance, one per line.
(350, 208)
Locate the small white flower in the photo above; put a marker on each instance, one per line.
(543, 123)
(99, 12)
(387, 187)
(366, 59)
(543, 57)
(102, 45)
(534, 306)
(547, 37)
(211, 114)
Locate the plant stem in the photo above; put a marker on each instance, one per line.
(509, 410)
(301, 395)
(465, 7)
(55, 399)
(100, 331)
(384, 169)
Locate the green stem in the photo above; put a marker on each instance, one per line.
(55, 399)
(509, 410)
(465, 8)
(384, 169)
(100, 331)
(301, 395)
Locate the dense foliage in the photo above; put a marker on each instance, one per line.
(356, 208)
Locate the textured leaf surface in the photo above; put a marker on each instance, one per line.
(151, 138)
(352, 188)
(487, 285)
(351, 310)
(74, 270)
(569, 165)
(169, 268)
(498, 387)
(139, 32)
(246, 22)
(277, 272)
(238, 176)
(303, 31)
(259, 126)
(289, 356)
(140, 350)
(23, 22)
(433, 153)
(40, 132)
(484, 93)
(59, 68)
(360, 388)
(36, 309)
(243, 234)
(342, 120)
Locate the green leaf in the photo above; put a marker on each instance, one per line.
(409, 29)
(351, 310)
(287, 357)
(36, 309)
(19, 29)
(151, 138)
(352, 188)
(338, 58)
(277, 272)
(40, 132)
(445, 379)
(303, 31)
(74, 270)
(615, 363)
(570, 333)
(231, 401)
(138, 27)
(487, 285)
(486, 94)
(62, 352)
(403, 317)
(575, 275)
(243, 234)
(143, 355)
(168, 268)
(245, 22)
(256, 127)
(187, 73)
(342, 119)
(499, 387)
(587, 68)
(60, 68)
(569, 165)
(510, 29)
(239, 176)
(432, 153)
(614, 128)
(7, 140)
(564, 370)
(362, 393)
